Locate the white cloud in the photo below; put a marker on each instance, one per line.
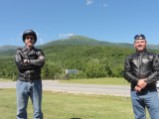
(105, 5)
(66, 35)
(89, 2)
(99, 3)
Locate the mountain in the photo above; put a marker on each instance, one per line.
(7, 50)
(155, 47)
(7, 47)
(74, 40)
(82, 40)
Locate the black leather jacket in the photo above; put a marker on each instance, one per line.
(32, 69)
(140, 66)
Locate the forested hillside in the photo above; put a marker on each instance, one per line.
(91, 61)
(91, 58)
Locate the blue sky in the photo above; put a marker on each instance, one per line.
(106, 20)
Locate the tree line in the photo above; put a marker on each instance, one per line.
(90, 61)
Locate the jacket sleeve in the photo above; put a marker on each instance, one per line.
(128, 72)
(19, 61)
(40, 61)
(155, 75)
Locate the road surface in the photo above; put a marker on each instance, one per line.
(50, 85)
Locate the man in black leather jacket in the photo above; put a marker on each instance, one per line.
(142, 71)
(29, 61)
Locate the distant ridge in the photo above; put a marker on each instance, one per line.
(7, 47)
(7, 50)
(82, 40)
(75, 40)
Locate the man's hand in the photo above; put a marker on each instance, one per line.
(138, 88)
(142, 83)
(26, 61)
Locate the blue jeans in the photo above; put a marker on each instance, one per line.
(148, 99)
(24, 90)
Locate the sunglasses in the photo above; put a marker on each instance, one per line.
(31, 38)
(139, 36)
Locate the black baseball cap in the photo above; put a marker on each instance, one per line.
(139, 37)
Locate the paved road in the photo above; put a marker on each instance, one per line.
(78, 88)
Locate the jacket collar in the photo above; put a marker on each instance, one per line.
(27, 49)
(141, 53)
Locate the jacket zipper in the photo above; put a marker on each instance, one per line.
(140, 63)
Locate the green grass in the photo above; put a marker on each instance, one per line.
(6, 80)
(106, 81)
(109, 81)
(70, 106)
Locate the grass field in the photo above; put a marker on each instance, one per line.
(70, 106)
(109, 81)
(5, 80)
